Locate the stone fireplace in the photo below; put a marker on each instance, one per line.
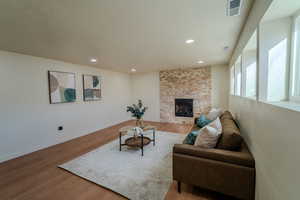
(193, 84)
(184, 108)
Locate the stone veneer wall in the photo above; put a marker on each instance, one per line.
(192, 83)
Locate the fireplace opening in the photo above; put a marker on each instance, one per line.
(184, 108)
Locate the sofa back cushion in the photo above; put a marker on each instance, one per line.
(231, 138)
(191, 137)
(226, 115)
(208, 136)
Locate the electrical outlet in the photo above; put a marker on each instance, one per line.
(60, 128)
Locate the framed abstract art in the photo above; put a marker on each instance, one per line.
(91, 88)
(62, 87)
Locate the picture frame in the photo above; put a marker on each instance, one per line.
(92, 90)
(62, 87)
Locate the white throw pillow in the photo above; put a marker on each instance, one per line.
(208, 136)
(214, 113)
(216, 124)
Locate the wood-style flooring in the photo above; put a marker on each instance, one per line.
(36, 176)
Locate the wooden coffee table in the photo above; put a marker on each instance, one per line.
(138, 141)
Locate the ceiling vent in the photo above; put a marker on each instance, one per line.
(233, 7)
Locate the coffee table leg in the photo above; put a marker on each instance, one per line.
(153, 137)
(142, 144)
(120, 141)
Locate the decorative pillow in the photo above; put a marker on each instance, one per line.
(217, 124)
(203, 121)
(208, 137)
(191, 137)
(214, 113)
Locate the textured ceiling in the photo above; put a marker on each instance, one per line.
(145, 34)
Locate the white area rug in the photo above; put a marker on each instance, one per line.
(127, 172)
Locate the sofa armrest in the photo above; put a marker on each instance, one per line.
(243, 158)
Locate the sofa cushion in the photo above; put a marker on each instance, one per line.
(226, 115)
(208, 136)
(191, 137)
(203, 121)
(231, 138)
(216, 124)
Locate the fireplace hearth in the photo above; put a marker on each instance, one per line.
(184, 108)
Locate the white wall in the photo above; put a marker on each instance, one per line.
(272, 134)
(28, 122)
(220, 86)
(145, 86)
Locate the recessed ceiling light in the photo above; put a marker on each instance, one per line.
(93, 60)
(200, 62)
(189, 41)
(133, 70)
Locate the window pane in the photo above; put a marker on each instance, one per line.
(296, 59)
(232, 80)
(238, 76)
(279, 54)
(277, 71)
(238, 88)
(251, 80)
(249, 67)
(275, 37)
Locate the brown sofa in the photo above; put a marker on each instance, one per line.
(229, 168)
